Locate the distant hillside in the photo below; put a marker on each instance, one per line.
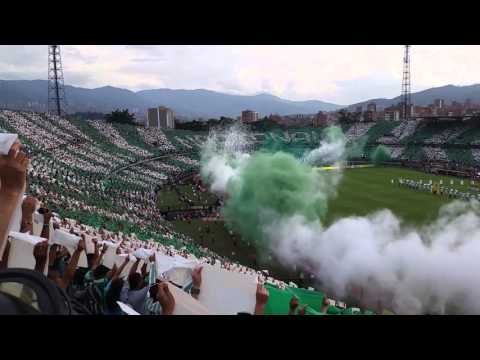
(449, 93)
(32, 95)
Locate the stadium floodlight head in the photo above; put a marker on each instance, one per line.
(406, 95)
(56, 90)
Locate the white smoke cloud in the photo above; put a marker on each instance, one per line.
(431, 269)
(330, 151)
(223, 155)
(412, 270)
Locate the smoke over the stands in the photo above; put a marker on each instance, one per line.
(278, 201)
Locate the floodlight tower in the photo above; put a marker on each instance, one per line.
(406, 95)
(56, 90)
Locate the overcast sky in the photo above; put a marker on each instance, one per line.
(338, 74)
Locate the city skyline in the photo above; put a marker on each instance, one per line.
(339, 74)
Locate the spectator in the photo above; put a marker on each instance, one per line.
(160, 300)
(293, 305)
(135, 290)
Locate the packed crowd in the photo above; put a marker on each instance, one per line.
(116, 267)
(440, 189)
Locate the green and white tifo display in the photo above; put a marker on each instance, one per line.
(410, 246)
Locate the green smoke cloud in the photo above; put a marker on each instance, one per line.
(271, 186)
(380, 154)
(355, 149)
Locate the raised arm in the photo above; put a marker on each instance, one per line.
(47, 215)
(4, 260)
(72, 265)
(196, 282)
(13, 170)
(134, 267)
(144, 269)
(262, 298)
(118, 272)
(98, 257)
(40, 253)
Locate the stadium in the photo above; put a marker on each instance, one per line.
(347, 218)
(142, 185)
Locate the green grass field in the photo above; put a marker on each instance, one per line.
(363, 191)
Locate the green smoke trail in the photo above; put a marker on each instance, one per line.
(355, 149)
(273, 186)
(275, 142)
(379, 155)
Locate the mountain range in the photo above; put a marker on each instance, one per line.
(200, 103)
(32, 95)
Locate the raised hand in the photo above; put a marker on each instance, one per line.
(262, 295)
(165, 298)
(28, 206)
(13, 170)
(40, 251)
(47, 215)
(197, 277)
(81, 244)
(293, 305)
(105, 248)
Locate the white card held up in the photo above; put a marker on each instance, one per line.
(163, 263)
(181, 276)
(37, 223)
(142, 253)
(70, 241)
(131, 261)
(6, 142)
(127, 309)
(110, 256)
(21, 250)
(226, 292)
(89, 244)
(185, 304)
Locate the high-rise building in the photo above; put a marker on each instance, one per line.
(160, 117)
(392, 113)
(320, 119)
(439, 103)
(249, 116)
(370, 115)
(372, 107)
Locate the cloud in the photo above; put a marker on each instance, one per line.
(339, 74)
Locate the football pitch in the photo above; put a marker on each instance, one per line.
(366, 190)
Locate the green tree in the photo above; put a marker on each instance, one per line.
(120, 116)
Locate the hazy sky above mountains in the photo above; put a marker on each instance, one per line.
(338, 74)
